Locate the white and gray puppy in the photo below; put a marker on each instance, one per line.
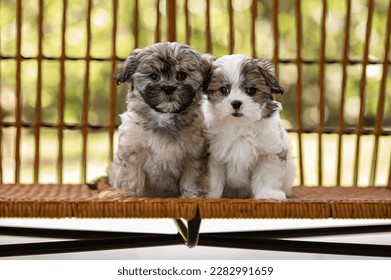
(249, 147)
(162, 150)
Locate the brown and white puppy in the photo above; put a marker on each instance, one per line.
(162, 151)
(249, 147)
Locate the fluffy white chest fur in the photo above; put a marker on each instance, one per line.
(243, 142)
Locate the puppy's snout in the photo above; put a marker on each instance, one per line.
(168, 89)
(236, 104)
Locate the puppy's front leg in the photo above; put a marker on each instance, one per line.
(127, 175)
(216, 172)
(267, 180)
(190, 182)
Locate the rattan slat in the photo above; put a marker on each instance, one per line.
(136, 24)
(171, 20)
(187, 22)
(345, 59)
(231, 46)
(38, 102)
(113, 88)
(276, 36)
(18, 91)
(61, 97)
(299, 89)
(253, 32)
(158, 33)
(208, 32)
(86, 96)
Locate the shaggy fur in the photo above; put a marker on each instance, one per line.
(249, 147)
(162, 149)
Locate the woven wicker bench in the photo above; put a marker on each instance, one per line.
(80, 201)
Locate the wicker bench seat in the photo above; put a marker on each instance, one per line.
(79, 201)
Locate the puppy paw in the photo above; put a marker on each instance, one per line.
(213, 195)
(110, 194)
(271, 194)
(194, 194)
(125, 190)
(237, 192)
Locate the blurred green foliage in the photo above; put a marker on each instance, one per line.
(100, 76)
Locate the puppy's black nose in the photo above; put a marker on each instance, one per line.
(168, 89)
(236, 104)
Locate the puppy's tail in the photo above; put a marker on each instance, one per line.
(98, 183)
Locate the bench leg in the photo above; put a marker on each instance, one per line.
(189, 234)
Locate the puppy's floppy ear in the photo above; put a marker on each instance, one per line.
(127, 69)
(267, 71)
(207, 61)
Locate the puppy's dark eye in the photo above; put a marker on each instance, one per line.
(180, 76)
(251, 91)
(224, 90)
(154, 77)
